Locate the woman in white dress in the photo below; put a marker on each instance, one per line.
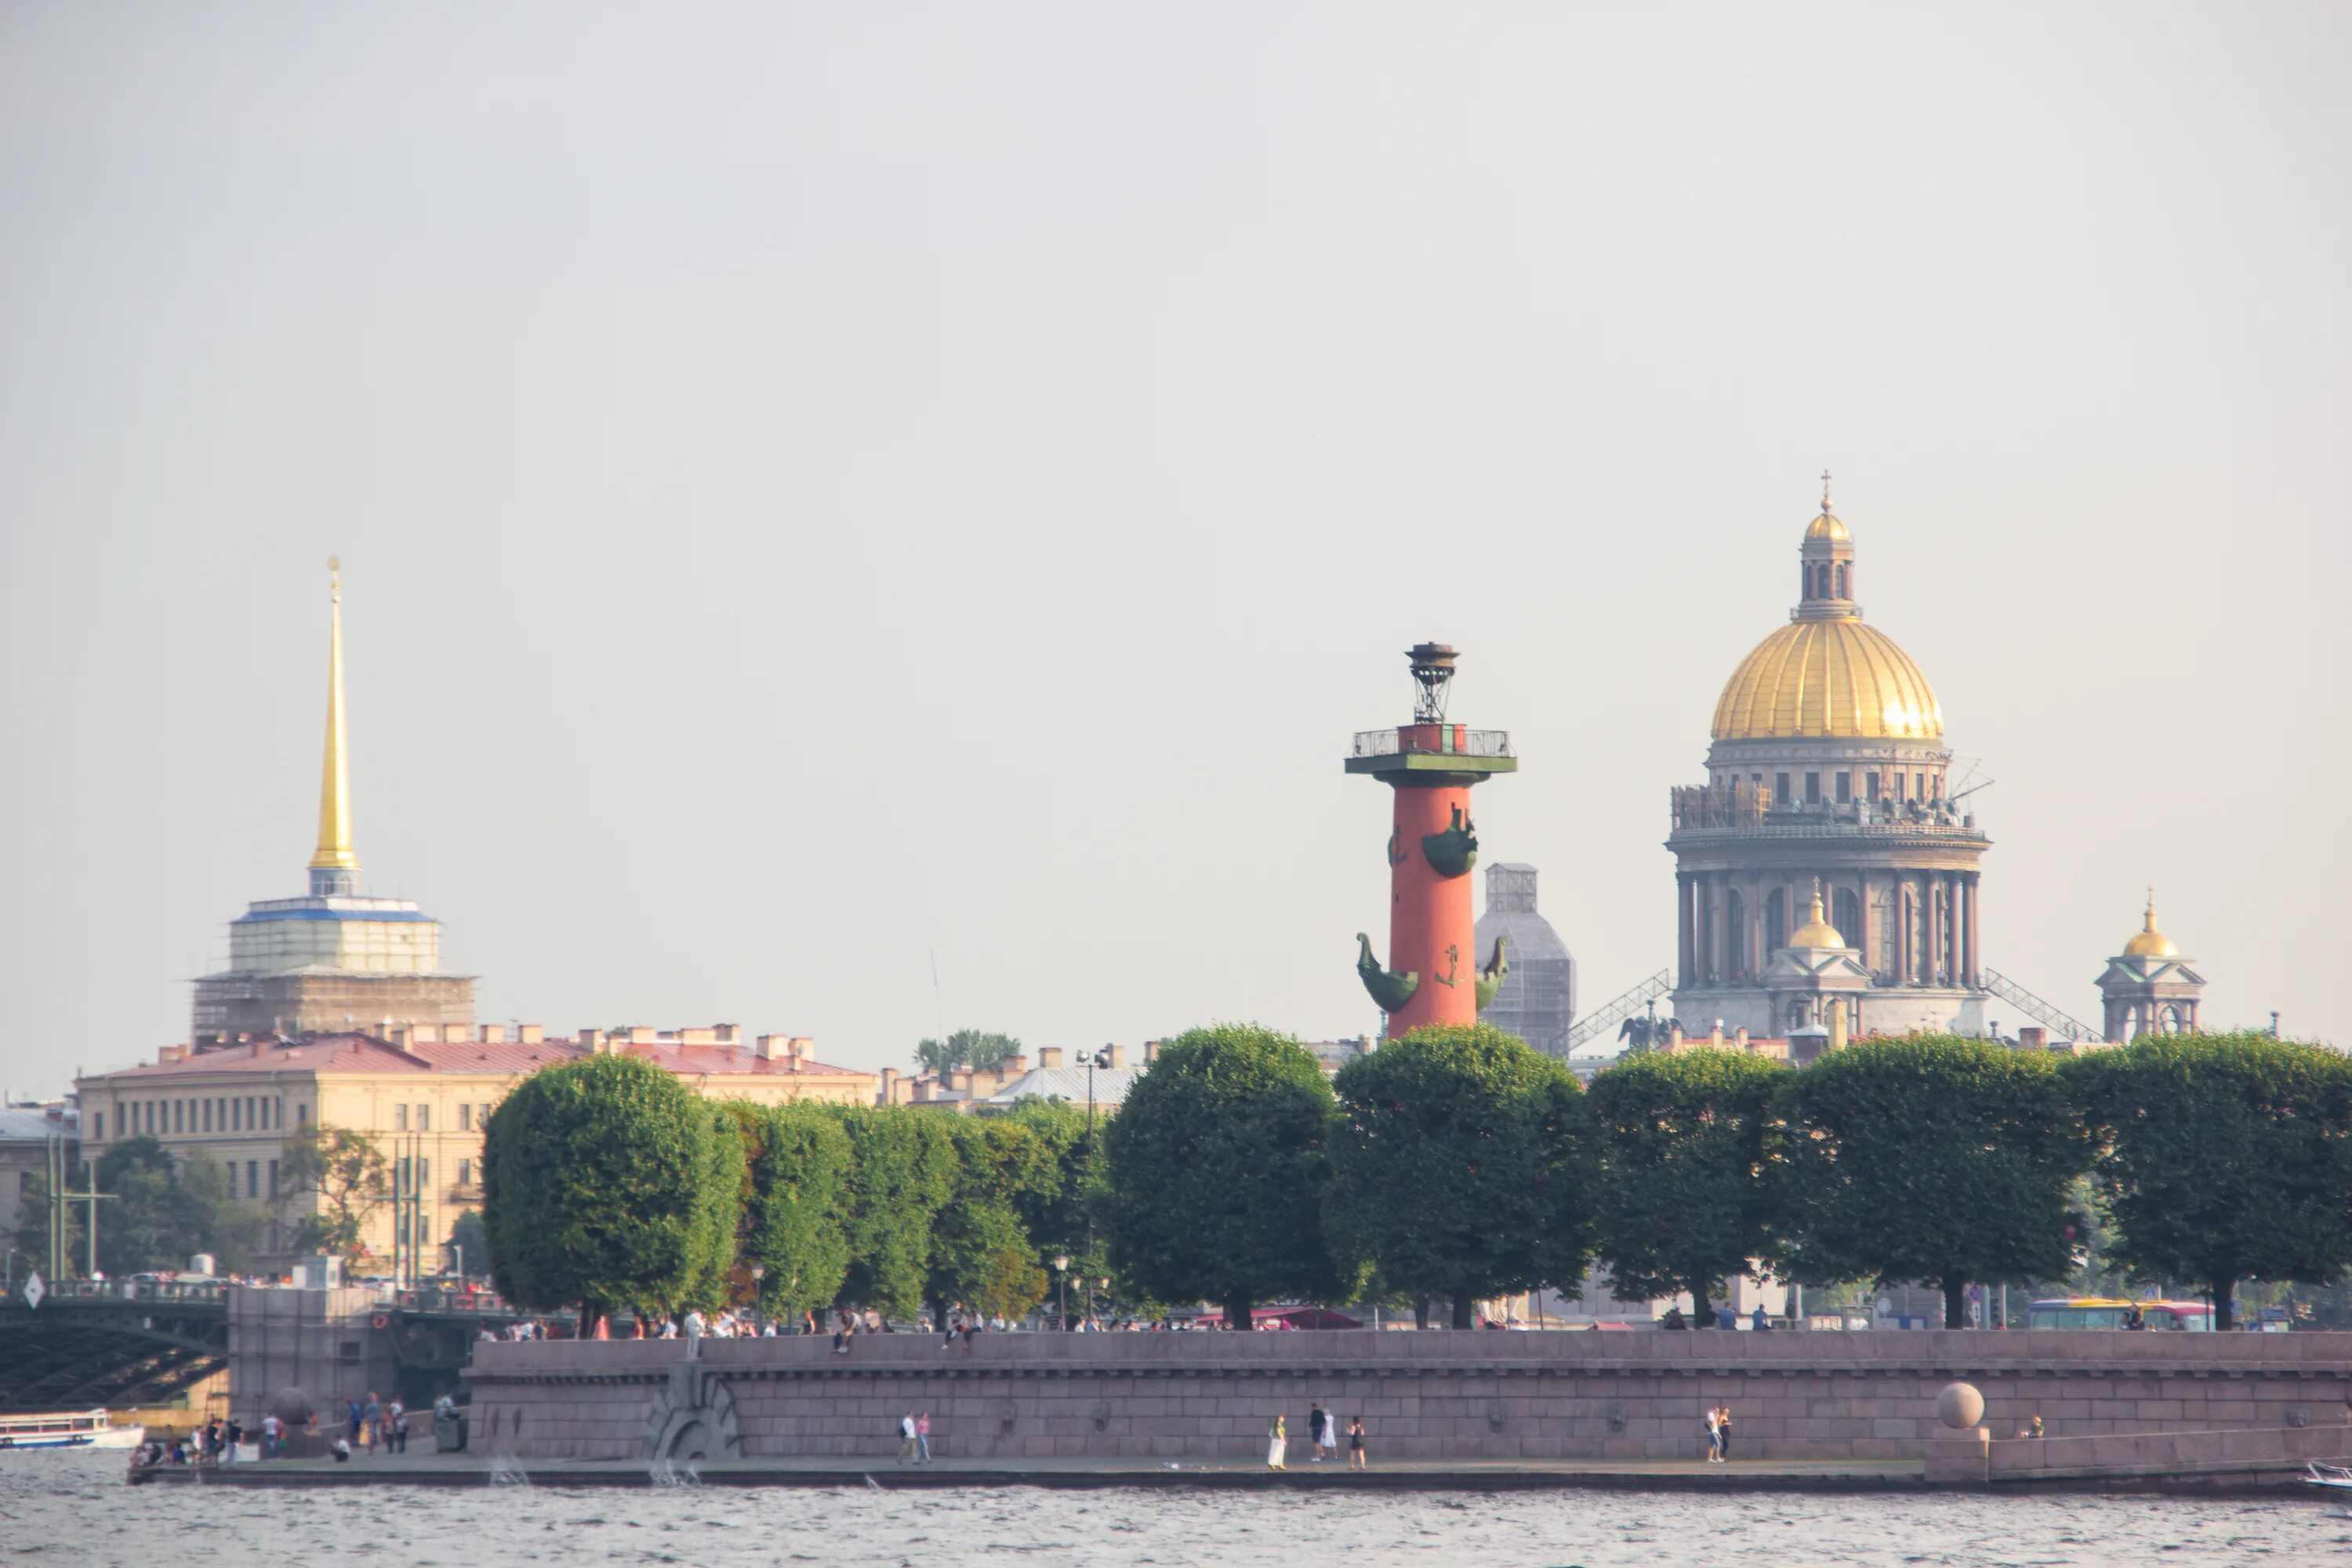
(1276, 1442)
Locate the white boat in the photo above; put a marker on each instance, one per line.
(2335, 1478)
(68, 1430)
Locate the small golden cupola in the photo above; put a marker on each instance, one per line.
(1817, 932)
(2148, 941)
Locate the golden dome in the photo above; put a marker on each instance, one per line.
(1834, 677)
(1817, 932)
(2151, 942)
(1825, 527)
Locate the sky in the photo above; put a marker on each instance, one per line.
(867, 519)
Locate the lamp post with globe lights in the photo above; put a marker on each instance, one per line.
(1062, 1290)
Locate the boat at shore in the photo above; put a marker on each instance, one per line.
(67, 1429)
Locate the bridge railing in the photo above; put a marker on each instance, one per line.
(435, 1299)
(209, 1294)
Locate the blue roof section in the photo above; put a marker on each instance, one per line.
(255, 917)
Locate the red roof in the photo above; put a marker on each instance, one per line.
(358, 1053)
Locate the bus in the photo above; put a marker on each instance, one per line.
(2109, 1313)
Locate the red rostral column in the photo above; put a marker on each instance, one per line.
(1432, 976)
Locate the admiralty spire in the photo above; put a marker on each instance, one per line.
(334, 960)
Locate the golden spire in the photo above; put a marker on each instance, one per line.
(335, 853)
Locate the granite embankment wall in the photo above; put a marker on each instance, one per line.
(1475, 1395)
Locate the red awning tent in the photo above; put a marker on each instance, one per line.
(1303, 1317)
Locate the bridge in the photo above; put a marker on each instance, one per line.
(104, 1343)
(122, 1343)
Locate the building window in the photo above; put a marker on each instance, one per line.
(400, 1117)
(424, 1175)
(253, 1178)
(273, 1178)
(1780, 787)
(1813, 789)
(97, 1127)
(1901, 787)
(1870, 784)
(1845, 788)
(425, 1119)
(464, 1172)
(482, 1117)
(465, 1119)
(301, 1115)
(208, 1115)
(179, 1116)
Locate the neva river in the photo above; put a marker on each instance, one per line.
(73, 1511)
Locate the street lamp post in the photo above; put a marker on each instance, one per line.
(1062, 1290)
(759, 1272)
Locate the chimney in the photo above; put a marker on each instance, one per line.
(2033, 1038)
(593, 1041)
(960, 1078)
(1837, 1029)
(773, 1048)
(494, 1034)
(1151, 1052)
(1049, 1057)
(640, 1034)
(425, 1033)
(1739, 1038)
(1015, 1066)
(698, 1037)
(167, 1055)
(984, 1083)
(1715, 1035)
(1364, 1045)
(800, 1047)
(529, 1034)
(1119, 1056)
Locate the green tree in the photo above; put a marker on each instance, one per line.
(345, 1178)
(1928, 1158)
(966, 1048)
(1064, 1216)
(981, 1253)
(1458, 1167)
(1217, 1163)
(797, 1159)
(1683, 1203)
(472, 1240)
(607, 1183)
(2222, 1158)
(902, 1169)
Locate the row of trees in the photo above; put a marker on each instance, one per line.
(609, 1184)
(155, 1210)
(1452, 1165)
(1457, 1165)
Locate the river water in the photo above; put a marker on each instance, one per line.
(72, 1509)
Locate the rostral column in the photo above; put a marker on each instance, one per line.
(1432, 976)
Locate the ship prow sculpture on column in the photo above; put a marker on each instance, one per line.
(1433, 974)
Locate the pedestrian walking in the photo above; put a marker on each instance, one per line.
(923, 1435)
(1276, 1441)
(1355, 1442)
(1713, 1438)
(269, 1435)
(399, 1427)
(1723, 1432)
(1326, 1442)
(352, 1422)
(232, 1434)
(906, 1438)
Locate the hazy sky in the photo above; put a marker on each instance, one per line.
(822, 487)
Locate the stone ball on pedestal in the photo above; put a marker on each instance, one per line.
(292, 1406)
(1960, 1405)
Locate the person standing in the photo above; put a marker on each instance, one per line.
(906, 1438)
(399, 1427)
(1356, 1443)
(352, 1419)
(371, 1417)
(923, 1435)
(1723, 1432)
(232, 1435)
(1276, 1442)
(1315, 1420)
(269, 1435)
(1713, 1438)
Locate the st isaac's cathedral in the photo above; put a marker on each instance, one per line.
(1826, 876)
